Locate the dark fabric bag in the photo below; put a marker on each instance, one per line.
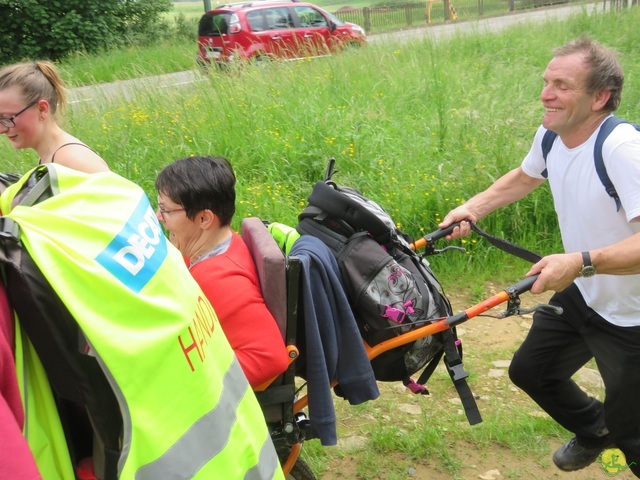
(391, 288)
(390, 296)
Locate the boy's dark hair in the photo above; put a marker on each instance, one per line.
(201, 183)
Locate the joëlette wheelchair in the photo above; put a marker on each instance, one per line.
(279, 277)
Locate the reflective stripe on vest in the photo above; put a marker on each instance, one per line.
(209, 436)
(268, 464)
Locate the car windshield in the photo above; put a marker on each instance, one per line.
(214, 24)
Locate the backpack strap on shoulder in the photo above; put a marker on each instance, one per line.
(606, 128)
(547, 143)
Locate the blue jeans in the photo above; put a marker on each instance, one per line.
(556, 347)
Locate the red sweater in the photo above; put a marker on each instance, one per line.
(16, 460)
(230, 282)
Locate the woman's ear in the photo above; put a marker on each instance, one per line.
(43, 108)
(207, 219)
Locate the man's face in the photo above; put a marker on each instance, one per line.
(567, 104)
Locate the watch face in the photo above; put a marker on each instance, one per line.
(588, 271)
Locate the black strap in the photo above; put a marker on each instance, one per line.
(275, 395)
(430, 368)
(607, 127)
(547, 142)
(326, 197)
(507, 246)
(37, 188)
(7, 179)
(453, 361)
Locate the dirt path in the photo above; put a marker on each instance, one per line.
(495, 462)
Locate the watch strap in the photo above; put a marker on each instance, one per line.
(588, 269)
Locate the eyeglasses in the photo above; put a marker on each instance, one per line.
(163, 211)
(9, 122)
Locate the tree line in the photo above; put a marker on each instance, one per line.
(52, 29)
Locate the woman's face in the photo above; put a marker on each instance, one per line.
(25, 132)
(183, 232)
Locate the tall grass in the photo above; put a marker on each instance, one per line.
(134, 61)
(418, 127)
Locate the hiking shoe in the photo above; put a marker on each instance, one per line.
(574, 455)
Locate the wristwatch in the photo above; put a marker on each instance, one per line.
(588, 269)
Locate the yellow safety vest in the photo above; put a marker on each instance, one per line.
(187, 409)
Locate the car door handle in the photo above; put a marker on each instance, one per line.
(308, 35)
(276, 37)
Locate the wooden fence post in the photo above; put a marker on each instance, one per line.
(408, 9)
(366, 12)
(447, 10)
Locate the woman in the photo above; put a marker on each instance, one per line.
(31, 95)
(196, 203)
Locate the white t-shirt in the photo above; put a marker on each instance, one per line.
(587, 215)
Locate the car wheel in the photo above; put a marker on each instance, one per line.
(260, 61)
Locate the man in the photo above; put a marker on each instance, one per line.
(601, 319)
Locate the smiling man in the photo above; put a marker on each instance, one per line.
(597, 278)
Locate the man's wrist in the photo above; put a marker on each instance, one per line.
(588, 269)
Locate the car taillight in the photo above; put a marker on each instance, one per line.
(234, 24)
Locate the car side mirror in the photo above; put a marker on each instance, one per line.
(332, 26)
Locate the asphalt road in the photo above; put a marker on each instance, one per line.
(128, 89)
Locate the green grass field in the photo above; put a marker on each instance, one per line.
(418, 127)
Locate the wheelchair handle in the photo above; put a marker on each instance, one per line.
(432, 237)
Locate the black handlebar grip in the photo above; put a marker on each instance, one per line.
(443, 232)
(525, 285)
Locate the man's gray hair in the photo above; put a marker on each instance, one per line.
(605, 71)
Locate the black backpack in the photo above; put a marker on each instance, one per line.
(89, 410)
(7, 179)
(391, 288)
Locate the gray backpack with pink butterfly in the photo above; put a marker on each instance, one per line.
(392, 289)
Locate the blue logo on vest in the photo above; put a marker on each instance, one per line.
(138, 250)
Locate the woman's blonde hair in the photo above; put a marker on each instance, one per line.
(37, 80)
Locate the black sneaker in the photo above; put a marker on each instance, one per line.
(574, 455)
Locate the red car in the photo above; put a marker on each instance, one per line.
(265, 29)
